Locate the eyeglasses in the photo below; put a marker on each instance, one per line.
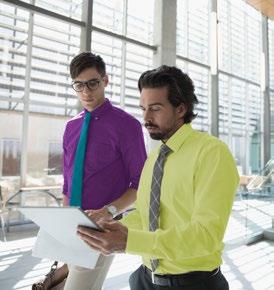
(92, 85)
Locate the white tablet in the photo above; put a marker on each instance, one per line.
(60, 222)
(58, 239)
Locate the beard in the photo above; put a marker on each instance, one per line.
(157, 136)
(162, 135)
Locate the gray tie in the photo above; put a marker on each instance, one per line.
(154, 207)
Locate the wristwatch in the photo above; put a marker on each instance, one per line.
(112, 209)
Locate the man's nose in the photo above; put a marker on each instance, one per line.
(86, 90)
(147, 115)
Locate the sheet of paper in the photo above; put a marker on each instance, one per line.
(47, 246)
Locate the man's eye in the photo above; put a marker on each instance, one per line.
(154, 109)
(92, 84)
(78, 86)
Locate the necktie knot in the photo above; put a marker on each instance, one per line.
(165, 150)
(87, 117)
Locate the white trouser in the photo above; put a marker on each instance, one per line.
(89, 279)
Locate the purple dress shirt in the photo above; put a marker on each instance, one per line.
(114, 158)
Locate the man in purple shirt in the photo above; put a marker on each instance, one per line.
(114, 158)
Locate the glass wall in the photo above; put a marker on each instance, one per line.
(193, 30)
(271, 79)
(14, 25)
(193, 53)
(240, 98)
(239, 58)
(125, 60)
(35, 52)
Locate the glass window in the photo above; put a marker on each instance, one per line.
(69, 8)
(14, 24)
(240, 100)
(271, 52)
(140, 20)
(122, 59)
(193, 29)
(271, 79)
(55, 158)
(240, 115)
(239, 39)
(110, 49)
(54, 45)
(132, 21)
(108, 14)
(138, 60)
(11, 157)
(42, 159)
(200, 78)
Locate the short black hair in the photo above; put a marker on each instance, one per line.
(87, 60)
(180, 87)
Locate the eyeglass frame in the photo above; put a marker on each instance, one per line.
(86, 84)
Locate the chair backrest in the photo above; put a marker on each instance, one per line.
(257, 182)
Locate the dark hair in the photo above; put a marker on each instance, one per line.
(87, 60)
(180, 87)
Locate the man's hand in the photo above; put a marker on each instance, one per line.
(112, 240)
(99, 215)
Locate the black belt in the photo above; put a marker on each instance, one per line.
(179, 279)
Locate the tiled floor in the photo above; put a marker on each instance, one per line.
(246, 267)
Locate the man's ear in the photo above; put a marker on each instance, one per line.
(105, 80)
(181, 110)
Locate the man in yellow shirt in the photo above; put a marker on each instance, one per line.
(184, 198)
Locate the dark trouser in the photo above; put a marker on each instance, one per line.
(141, 280)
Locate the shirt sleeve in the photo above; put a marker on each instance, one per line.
(132, 220)
(65, 167)
(215, 183)
(133, 152)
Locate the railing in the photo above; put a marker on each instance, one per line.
(18, 199)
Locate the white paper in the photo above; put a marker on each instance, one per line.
(48, 247)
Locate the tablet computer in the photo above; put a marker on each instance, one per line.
(60, 222)
(58, 239)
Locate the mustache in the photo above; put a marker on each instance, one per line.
(149, 124)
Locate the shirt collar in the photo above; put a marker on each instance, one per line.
(99, 111)
(179, 137)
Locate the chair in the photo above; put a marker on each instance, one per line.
(259, 183)
(31, 196)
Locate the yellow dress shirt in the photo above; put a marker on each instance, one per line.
(197, 192)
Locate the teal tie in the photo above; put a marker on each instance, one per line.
(79, 161)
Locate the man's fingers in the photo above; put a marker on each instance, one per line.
(112, 239)
(101, 245)
(90, 242)
(89, 212)
(94, 245)
(108, 225)
(90, 233)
